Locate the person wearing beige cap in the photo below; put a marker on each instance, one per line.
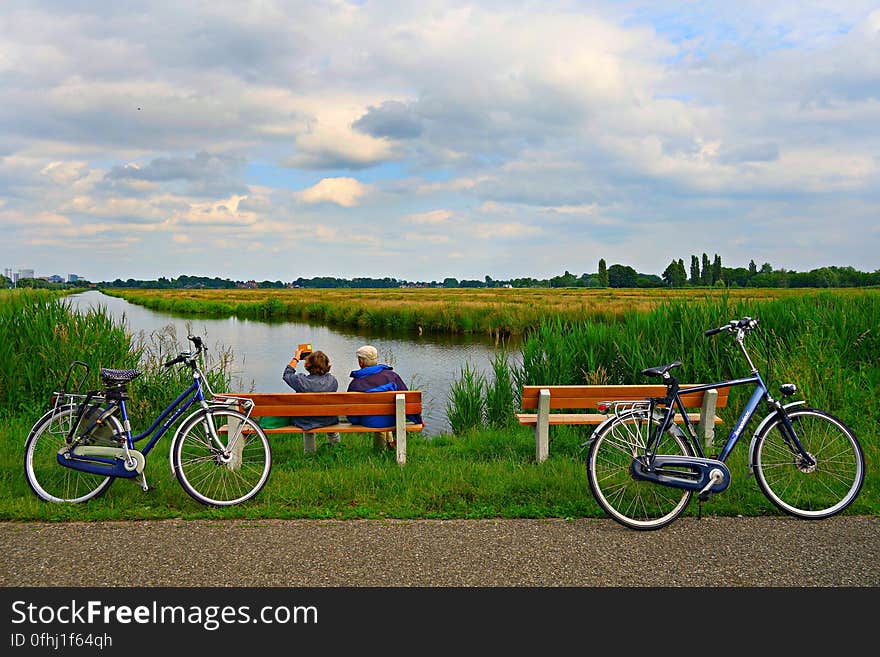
(373, 376)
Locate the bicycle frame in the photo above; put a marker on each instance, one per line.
(133, 466)
(760, 393)
(175, 409)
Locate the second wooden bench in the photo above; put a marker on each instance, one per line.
(586, 398)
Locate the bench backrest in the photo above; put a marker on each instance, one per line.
(589, 396)
(301, 404)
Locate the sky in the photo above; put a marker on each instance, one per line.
(275, 139)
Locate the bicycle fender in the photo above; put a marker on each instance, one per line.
(602, 425)
(597, 429)
(760, 430)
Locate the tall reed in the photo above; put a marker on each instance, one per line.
(500, 395)
(40, 337)
(466, 407)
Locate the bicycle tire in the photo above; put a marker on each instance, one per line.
(206, 473)
(634, 503)
(810, 492)
(50, 481)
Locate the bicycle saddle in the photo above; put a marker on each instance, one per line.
(115, 377)
(660, 370)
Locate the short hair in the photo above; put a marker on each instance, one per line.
(368, 354)
(317, 363)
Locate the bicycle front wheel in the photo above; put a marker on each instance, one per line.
(632, 502)
(804, 490)
(225, 472)
(51, 481)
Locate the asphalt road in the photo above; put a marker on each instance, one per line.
(734, 552)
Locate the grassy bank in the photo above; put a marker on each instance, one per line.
(491, 311)
(826, 343)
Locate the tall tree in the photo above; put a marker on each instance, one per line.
(674, 275)
(603, 273)
(706, 276)
(716, 269)
(753, 268)
(622, 276)
(695, 270)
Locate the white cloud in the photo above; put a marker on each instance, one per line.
(346, 192)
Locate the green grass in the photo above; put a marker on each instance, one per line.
(828, 345)
(485, 474)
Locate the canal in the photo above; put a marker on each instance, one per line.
(261, 350)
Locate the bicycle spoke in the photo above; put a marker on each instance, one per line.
(224, 476)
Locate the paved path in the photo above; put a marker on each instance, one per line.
(767, 551)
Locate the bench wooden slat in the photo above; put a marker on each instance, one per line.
(303, 410)
(323, 398)
(589, 418)
(343, 427)
(587, 396)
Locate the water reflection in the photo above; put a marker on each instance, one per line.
(261, 349)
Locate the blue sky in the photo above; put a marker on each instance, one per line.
(276, 139)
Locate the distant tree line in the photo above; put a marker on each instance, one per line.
(702, 272)
(706, 274)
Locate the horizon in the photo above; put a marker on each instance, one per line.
(255, 141)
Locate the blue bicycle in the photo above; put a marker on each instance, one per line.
(643, 469)
(220, 456)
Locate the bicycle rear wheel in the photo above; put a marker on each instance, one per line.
(49, 480)
(227, 474)
(632, 502)
(810, 491)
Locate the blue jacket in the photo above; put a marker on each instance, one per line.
(377, 378)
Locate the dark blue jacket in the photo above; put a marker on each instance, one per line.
(377, 378)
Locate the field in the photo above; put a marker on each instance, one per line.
(492, 311)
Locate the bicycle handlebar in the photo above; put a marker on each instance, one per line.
(744, 324)
(186, 356)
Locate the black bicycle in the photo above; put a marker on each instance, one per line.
(643, 468)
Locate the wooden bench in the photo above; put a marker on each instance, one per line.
(546, 399)
(302, 404)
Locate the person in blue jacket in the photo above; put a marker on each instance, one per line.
(373, 376)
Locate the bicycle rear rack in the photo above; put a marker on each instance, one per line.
(623, 407)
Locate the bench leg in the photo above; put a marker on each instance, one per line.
(400, 427)
(542, 428)
(707, 418)
(233, 428)
(308, 442)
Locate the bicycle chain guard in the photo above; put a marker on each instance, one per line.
(677, 471)
(95, 459)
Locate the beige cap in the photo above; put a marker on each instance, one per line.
(368, 354)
